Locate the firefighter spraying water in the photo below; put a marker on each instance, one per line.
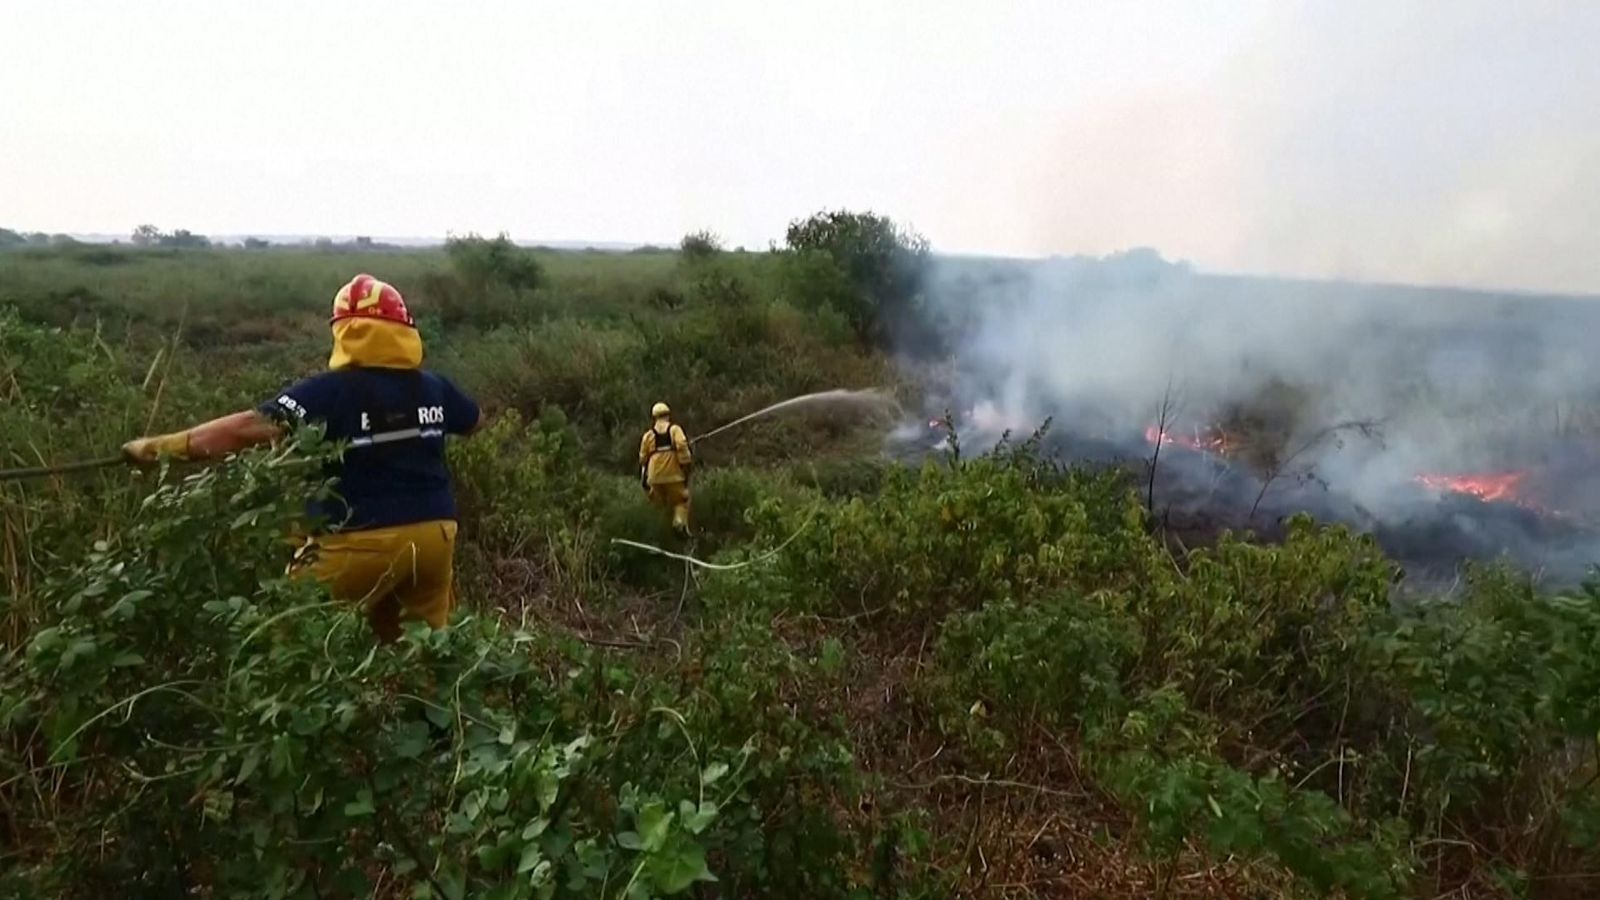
(666, 460)
(664, 466)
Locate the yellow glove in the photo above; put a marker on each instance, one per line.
(147, 451)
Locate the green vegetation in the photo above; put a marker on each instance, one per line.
(151, 236)
(984, 676)
(700, 245)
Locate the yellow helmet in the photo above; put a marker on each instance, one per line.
(659, 410)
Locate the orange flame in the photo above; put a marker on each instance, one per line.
(1204, 441)
(1486, 486)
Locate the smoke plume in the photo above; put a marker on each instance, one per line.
(1452, 424)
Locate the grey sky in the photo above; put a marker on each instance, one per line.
(1431, 142)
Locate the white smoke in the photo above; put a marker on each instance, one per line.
(1437, 381)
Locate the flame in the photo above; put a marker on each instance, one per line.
(1492, 486)
(1209, 441)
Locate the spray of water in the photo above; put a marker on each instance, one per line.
(871, 399)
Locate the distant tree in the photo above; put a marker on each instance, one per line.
(146, 236)
(255, 243)
(881, 260)
(323, 243)
(38, 239)
(62, 240)
(488, 262)
(364, 243)
(182, 238)
(1141, 267)
(698, 245)
(9, 238)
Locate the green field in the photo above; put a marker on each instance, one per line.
(988, 676)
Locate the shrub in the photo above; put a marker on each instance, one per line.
(1497, 713)
(956, 536)
(588, 372)
(1050, 664)
(520, 485)
(174, 727)
(882, 261)
(811, 280)
(748, 685)
(699, 245)
(722, 500)
(624, 511)
(843, 478)
(485, 263)
(723, 290)
(1181, 798)
(525, 494)
(490, 283)
(1267, 637)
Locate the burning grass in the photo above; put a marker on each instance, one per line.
(1491, 487)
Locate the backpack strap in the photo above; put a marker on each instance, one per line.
(661, 441)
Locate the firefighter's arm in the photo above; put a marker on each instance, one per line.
(209, 440)
(644, 448)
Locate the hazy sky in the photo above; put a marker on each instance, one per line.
(1435, 142)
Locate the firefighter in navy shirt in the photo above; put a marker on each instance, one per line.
(389, 533)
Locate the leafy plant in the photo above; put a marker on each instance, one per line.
(699, 245)
(880, 261)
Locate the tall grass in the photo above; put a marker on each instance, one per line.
(979, 678)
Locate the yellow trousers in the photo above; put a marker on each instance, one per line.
(673, 495)
(397, 574)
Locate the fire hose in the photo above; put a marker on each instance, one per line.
(105, 462)
(867, 396)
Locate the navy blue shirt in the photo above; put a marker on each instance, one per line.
(394, 421)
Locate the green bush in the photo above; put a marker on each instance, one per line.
(519, 485)
(882, 263)
(700, 245)
(490, 282)
(171, 706)
(588, 372)
(624, 511)
(843, 478)
(748, 685)
(484, 263)
(1182, 798)
(721, 289)
(175, 727)
(1049, 665)
(523, 492)
(949, 537)
(1496, 702)
(812, 280)
(722, 499)
(1268, 637)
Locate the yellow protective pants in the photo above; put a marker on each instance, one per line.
(673, 495)
(397, 574)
